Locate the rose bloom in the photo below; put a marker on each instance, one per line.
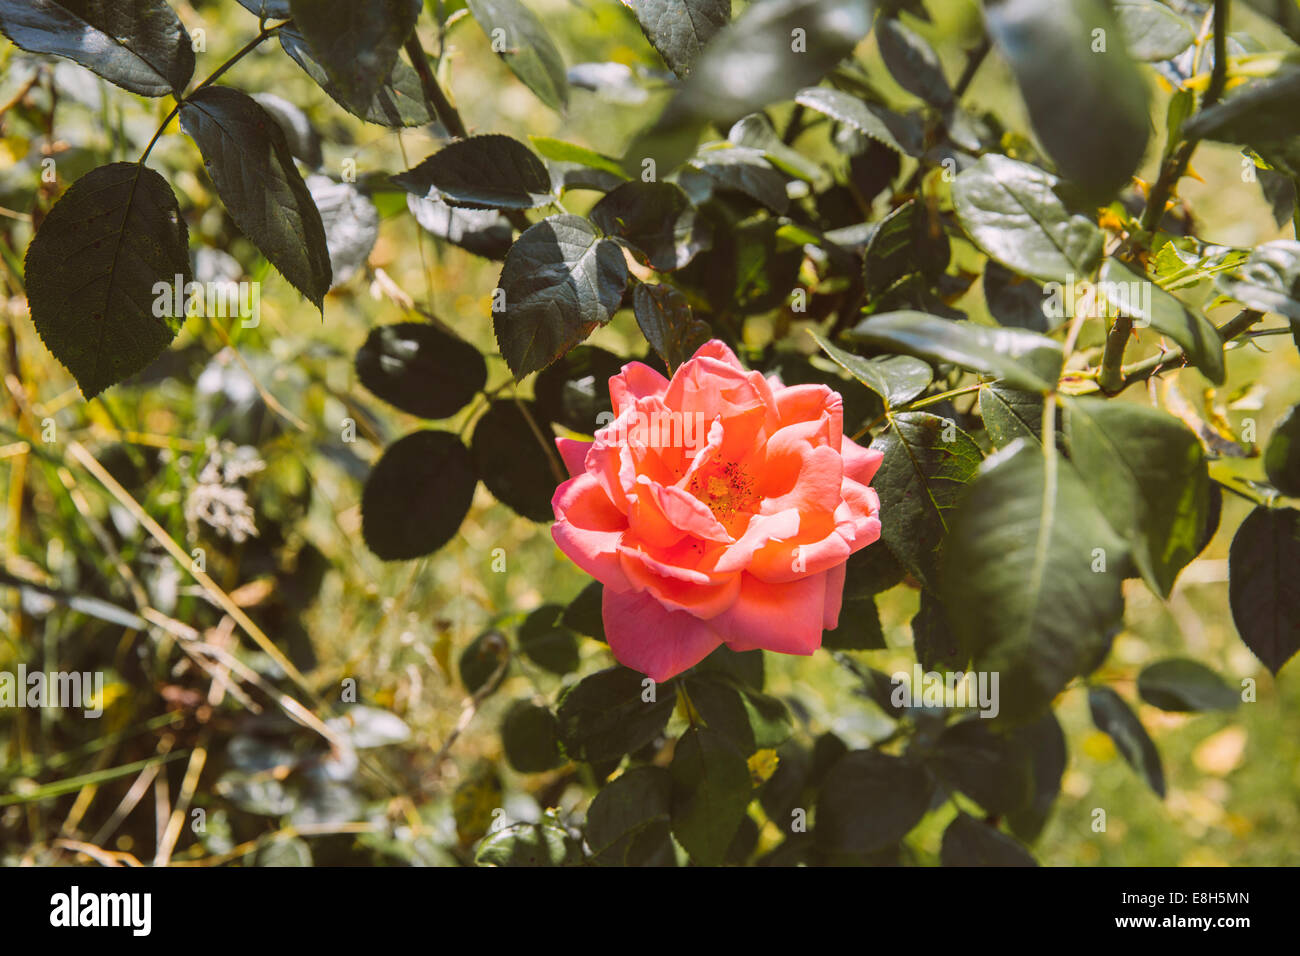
(717, 508)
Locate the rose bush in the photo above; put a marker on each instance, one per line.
(739, 536)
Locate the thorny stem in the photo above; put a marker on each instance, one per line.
(1143, 370)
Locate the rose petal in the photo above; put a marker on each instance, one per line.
(589, 529)
(786, 618)
(574, 453)
(647, 637)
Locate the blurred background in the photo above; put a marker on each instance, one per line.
(237, 442)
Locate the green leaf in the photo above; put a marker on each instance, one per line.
(356, 42)
(110, 245)
(573, 391)
(481, 659)
(1179, 684)
(1282, 456)
(756, 132)
(679, 29)
(420, 369)
(482, 172)
(1269, 281)
(399, 101)
(1022, 359)
(248, 158)
(1190, 329)
(1151, 30)
(1148, 476)
(665, 319)
(1073, 78)
(1263, 587)
(530, 737)
(968, 842)
(734, 169)
(896, 378)
(417, 495)
(1036, 612)
(1261, 114)
(627, 822)
(1010, 414)
(935, 642)
(484, 232)
(509, 458)
(913, 63)
(882, 125)
(141, 46)
(547, 641)
(609, 714)
(562, 152)
(722, 709)
(584, 613)
(1014, 300)
(351, 224)
(303, 139)
(546, 843)
(905, 243)
(711, 789)
(293, 851)
(525, 46)
(870, 800)
(1045, 744)
(560, 281)
(859, 627)
(657, 220)
(991, 768)
(927, 463)
(1117, 720)
(753, 61)
(268, 9)
(1011, 210)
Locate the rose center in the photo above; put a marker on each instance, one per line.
(725, 488)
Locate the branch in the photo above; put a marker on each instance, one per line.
(447, 114)
(1141, 371)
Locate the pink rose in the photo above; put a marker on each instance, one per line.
(717, 508)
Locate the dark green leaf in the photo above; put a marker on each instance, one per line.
(756, 132)
(1022, 359)
(859, 627)
(968, 842)
(1014, 300)
(529, 735)
(1037, 612)
(573, 391)
(657, 220)
(1151, 30)
(398, 102)
(482, 172)
(1045, 744)
(480, 661)
(884, 126)
(913, 63)
(268, 9)
(509, 457)
(304, 142)
(1260, 114)
(1263, 586)
(351, 224)
(1013, 213)
(420, 369)
(141, 46)
(1269, 281)
(1010, 414)
(417, 495)
(870, 800)
(547, 641)
(546, 843)
(907, 242)
(610, 713)
(1147, 474)
(1282, 457)
(933, 638)
(745, 668)
(1155, 307)
(484, 232)
(1179, 684)
(110, 245)
(679, 29)
(1116, 719)
(560, 281)
(722, 709)
(738, 170)
(991, 768)
(627, 822)
(584, 613)
(356, 42)
(896, 378)
(928, 462)
(711, 789)
(245, 153)
(521, 40)
(1075, 74)
(664, 317)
